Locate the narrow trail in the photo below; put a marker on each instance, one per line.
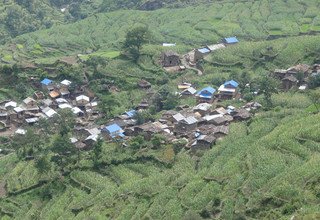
(185, 63)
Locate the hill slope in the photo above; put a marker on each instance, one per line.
(270, 172)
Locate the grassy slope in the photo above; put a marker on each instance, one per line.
(193, 26)
(271, 172)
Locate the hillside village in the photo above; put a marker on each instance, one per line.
(198, 126)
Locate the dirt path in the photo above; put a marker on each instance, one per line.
(185, 63)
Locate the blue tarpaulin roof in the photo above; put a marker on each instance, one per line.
(204, 50)
(113, 128)
(46, 81)
(231, 40)
(232, 82)
(131, 113)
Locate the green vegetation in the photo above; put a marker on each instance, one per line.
(266, 168)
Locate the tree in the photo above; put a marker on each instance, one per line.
(165, 99)
(65, 152)
(97, 151)
(142, 117)
(314, 81)
(42, 164)
(108, 104)
(134, 41)
(268, 86)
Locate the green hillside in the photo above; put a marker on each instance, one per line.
(267, 167)
(192, 26)
(272, 172)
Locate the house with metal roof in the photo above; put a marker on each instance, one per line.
(230, 40)
(47, 84)
(228, 90)
(114, 131)
(206, 94)
(82, 100)
(189, 91)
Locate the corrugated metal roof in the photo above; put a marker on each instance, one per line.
(231, 40)
(208, 89)
(204, 50)
(232, 83)
(190, 120)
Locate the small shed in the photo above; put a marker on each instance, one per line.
(170, 59)
(230, 40)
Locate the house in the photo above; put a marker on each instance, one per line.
(54, 94)
(206, 94)
(144, 84)
(300, 68)
(189, 92)
(202, 108)
(177, 118)
(65, 83)
(49, 112)
(92, 108)
(47, 84)
(10, 105)
(30, 104)
(168, 116)
(3, 114)
(289, 82)
(64, 87)
(38, 95)
(170, 59)
(200, 53)
(19, 112)
(241, 114)
(114, 131)
(186, 125)
(91, 140)
(215, 47)
(203, 142)
(143, 105)
(221, 131)
(184, 86)
(65, 105)
(82, 100)
(230, 40)
(32, 121)
(228, 90)
(77, 111)
(218, 120)
(219, 111)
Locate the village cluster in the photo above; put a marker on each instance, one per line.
(15, 115)
(200, 126)
(297, 76)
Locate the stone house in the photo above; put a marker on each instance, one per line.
(170, 59)
(289, 82)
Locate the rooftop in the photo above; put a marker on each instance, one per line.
(46, 81)
(231, 40)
